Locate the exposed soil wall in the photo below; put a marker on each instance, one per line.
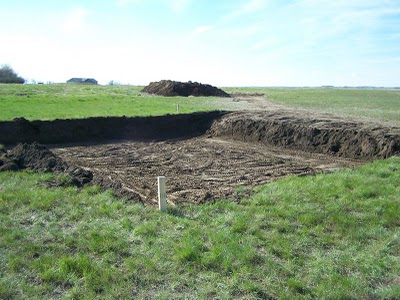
(319, 135)
(100, 129)
(322, 135)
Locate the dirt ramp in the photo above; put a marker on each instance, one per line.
(322, 135)
(169, 88)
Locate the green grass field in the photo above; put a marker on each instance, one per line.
(328, 236)
(63, 101)
(47, 102)
(381, 105)
(334, 236)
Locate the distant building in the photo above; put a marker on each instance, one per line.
(83, 80)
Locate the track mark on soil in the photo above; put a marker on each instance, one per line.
(197, 170)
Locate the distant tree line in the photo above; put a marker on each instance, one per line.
(8, 75)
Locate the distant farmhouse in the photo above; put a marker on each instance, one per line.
(83, 80)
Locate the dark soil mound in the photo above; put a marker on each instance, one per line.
(39, 158)
(170, 88)
(33, 156)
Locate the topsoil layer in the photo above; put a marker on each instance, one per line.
(99, 129)
(326, 135)
(170, 88)
(319, 134)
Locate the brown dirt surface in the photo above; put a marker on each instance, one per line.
(197, 170)
(169, 88)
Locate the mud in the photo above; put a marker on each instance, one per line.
(170, 88)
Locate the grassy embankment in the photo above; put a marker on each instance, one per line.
(329, 236)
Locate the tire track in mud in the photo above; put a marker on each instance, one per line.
(197, 170)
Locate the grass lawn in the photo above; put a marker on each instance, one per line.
(332, 236)
(63, 101)
(47, 102)
(381, 105)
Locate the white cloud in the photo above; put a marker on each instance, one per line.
(263, 44)
(251, 6)
(178, 6)
(125, 3)
(247, 31)
(309, 21)
(350, 24)
(202, 29)
(75, 20)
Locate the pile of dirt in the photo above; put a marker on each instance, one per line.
(38, 158)
(169, 88)
(34, 157)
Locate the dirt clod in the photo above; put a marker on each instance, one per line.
(8, 166)
(80, 177)
(169, 88)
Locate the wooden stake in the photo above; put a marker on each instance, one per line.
(162, 195)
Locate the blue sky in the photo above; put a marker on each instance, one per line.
(221, 42)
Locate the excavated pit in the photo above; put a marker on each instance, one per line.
(205, 156)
